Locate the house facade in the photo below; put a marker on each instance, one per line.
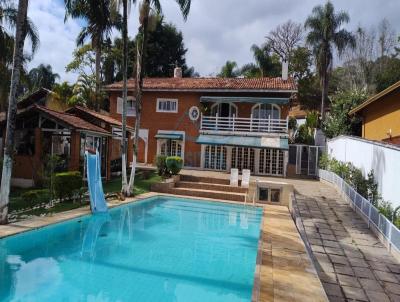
(212, 123)
(381, 115)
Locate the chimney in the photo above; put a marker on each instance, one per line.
(177, 72)
(285, 70)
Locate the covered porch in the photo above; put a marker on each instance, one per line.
(46, 137)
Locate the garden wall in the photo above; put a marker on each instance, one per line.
(367, 155)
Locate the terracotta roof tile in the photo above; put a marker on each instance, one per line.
(103, 117)
(210, 84)
(71, 120)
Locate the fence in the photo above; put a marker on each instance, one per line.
(390, 234)
(367, 155)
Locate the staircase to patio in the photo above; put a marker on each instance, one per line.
(206, 187)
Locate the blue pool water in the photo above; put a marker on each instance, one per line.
(160, 249)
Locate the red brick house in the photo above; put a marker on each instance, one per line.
(212, 123)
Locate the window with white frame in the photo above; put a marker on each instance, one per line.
(130, 106)
(167, 105)
(171, 147)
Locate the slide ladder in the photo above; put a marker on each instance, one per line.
(96, 194)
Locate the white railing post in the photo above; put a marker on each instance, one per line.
(269, 123)
(251, 122)
(216, 121)
(233, 123)
(201, 120)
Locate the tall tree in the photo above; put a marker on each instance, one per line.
(229, 70)
(359, 62)
(284, 39)
(124, 4)
(325, 34)
(20, 34)
(42, 76)
(386, 38)
(8, 20)
(267, 62)
(141, 47)
(101, 19)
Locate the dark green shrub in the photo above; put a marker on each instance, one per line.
(161, 165)
(36, 196)
(66, 183)
(323, 162)
(174, 164)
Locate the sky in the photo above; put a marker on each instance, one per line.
(215, 31)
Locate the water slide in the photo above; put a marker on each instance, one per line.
(96, 194)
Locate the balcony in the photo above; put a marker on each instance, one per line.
(243, 126)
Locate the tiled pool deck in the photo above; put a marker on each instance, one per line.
(351, 262)
(284, 271)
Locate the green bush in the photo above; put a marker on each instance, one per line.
(36, 196)
(66, 183)
(161, 165)
(174, 164)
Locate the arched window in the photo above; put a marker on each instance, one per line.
(265, 111)
(224, 109)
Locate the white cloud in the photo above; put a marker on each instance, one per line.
(216, 30)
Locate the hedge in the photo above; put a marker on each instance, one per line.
(67, 183)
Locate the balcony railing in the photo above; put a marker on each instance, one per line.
(239, 124)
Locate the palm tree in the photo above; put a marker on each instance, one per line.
(124, 4)
(268, 64)
(20, 32)
(229, 70)
(8, 19)
(147, 7)
(42, 76)
(101, 19)
(325, 34)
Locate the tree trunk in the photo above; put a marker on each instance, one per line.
(324, 81)
(125, 188)
(140, 59)
(12, 109)
(98, 62)
(324, 98)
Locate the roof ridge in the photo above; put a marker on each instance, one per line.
(52, 110)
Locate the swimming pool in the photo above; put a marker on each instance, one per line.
(160, 249)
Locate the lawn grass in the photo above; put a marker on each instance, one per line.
(143, 183)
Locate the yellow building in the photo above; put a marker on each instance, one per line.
(381, 116)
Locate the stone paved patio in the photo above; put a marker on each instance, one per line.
(351, 262)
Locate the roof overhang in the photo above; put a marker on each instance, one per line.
(257, 100)
(244, 141)
(375, 98)
(208, 90)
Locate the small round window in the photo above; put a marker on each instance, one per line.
(194, 113)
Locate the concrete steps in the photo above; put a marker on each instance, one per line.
(206, 187)
(206, 194)
(192, 178)
(210, 187)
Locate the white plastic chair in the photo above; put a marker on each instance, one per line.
(245, 178)
(234, 181)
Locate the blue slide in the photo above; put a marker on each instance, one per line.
(96, 194)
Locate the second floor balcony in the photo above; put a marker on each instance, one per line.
(247, 126)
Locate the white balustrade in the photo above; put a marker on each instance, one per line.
(240, 124)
